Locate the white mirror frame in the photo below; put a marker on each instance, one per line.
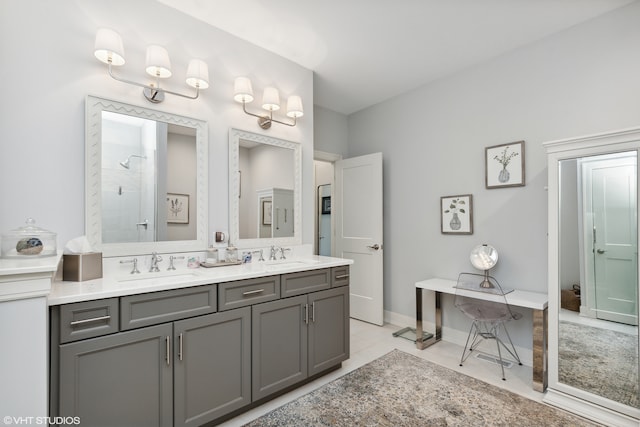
(558, 393)
(235, 135)
(93, 179)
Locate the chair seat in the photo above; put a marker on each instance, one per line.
(488, 316)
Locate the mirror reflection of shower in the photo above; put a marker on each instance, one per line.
(126, 163)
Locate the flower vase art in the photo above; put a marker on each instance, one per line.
(504, 159)
(455, 208)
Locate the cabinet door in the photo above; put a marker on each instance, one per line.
(279, 345)
(119, 380)
(212, 366)
(328, 328)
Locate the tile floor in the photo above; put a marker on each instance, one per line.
(368, 342)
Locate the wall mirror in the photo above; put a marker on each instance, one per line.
(145, 180)
(593, 271)
(264, 190)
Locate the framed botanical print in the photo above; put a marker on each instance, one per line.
(177, 208)
(504, 165)
(456, 214)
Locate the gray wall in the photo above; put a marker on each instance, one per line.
(581, 81)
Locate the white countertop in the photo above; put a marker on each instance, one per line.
(22, 278)
(130, 284)
(13, 266)
(528, 299)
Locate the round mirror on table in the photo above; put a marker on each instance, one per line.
(484, 257)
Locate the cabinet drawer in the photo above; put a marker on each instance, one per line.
(339, 276)
(304, 282)
(246, 292)
(88, 319)
(166, 306)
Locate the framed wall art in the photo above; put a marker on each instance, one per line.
(504, 165)
(326, 205)
(177, 208)
(266, 212)
(456, 214)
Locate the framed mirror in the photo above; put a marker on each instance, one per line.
(264, 190)
(593, 273)
(146, 175)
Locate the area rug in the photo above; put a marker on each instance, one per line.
(600, 361)
(400, 389)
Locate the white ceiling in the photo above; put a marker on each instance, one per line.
(366, 51)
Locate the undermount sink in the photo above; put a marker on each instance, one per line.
(159, 278)
(287, 263)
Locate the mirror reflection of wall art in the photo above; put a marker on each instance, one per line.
(177, 208)
(456, 214)
(504, 165)
(266, 212)
(326, 205)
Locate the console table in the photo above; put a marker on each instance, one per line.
(536, 301)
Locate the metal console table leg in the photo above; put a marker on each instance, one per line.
(421, 344)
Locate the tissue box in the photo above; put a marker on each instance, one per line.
(80, 267)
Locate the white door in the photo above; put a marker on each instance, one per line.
(615, 243)
(358, 216)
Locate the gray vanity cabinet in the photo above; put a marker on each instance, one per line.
(294, 338)
(169, 359)
(328, 329)
(212, 366)
(279, 345)
(119, 380)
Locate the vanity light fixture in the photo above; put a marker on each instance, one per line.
(110, 50)
(243, 93)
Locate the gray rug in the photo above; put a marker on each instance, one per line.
(400, 389)
(600, 361)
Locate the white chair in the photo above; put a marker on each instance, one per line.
(489, 314)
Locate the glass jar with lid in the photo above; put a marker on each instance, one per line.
(29, 241)
(231, 255)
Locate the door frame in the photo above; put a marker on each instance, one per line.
(324, 156)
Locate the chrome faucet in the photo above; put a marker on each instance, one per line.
(155, 259)
(171, 258)
(272, 255)
(133, 261)
(282, 251)
(259, 251)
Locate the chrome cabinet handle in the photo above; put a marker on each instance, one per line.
(375, 247)
(306, 314)
(342, 276)
(257, 291)
(93, 319)
(168, 350)
(180, 347)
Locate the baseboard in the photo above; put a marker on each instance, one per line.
(588, 410)
(451, 335)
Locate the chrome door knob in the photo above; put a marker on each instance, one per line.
(375, 247)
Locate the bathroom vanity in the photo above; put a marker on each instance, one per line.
(187, 348)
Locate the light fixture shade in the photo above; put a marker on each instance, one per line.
(294, 107)
(242, 90)
(271, 99)
(198, 74)
(158, 63)
(109, 46)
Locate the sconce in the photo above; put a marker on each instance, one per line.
(109, 49)
(243, 93)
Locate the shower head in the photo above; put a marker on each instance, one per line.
(125, 163)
